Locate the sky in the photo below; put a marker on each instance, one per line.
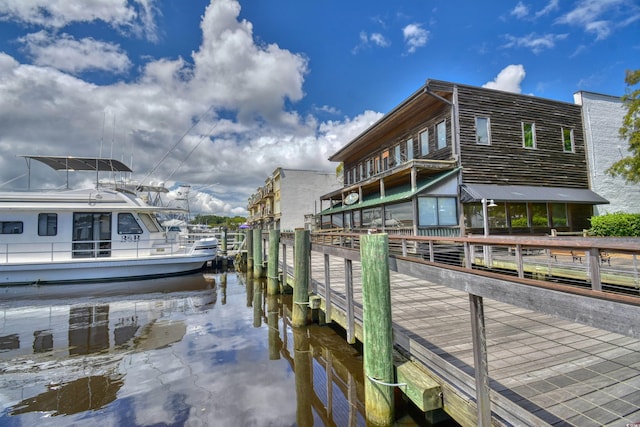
(217, 94)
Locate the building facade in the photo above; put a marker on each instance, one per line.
(287, 197)
(455, 159)
(603, 116)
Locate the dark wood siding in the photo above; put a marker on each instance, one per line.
(505, 160)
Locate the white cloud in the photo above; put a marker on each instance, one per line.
(217, 120)
(520, 10)
(508, 79)
(67, 54)
(537, 43)
(367, 40)
(601, 16)
(379, 40)
(550, 7)
(135, 15)
(415, 37)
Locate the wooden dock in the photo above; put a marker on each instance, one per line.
(556, 354)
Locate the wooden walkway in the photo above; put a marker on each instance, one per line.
(543, 370)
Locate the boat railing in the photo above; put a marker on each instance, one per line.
(234, 240)
(86, 249)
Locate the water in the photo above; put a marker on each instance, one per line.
(201, 350)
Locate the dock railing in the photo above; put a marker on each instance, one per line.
(589, 281)
(601, 264)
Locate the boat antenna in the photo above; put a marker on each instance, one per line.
(202, 138)
(104, 114)
(195, 123)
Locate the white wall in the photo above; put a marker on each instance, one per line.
(299, 194)
(602, 116)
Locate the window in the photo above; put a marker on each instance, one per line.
(483, 135)
(396, 155)
(441, 134)
(11, 227)
(424, 142)
(150, 223)
(518, 216)
(378, 166)
(437, 211)
(567, 140)
(528, 135)
(539, 215)
(398, 215)
(410, 149)
(372, 217)
(127, 224)
(47, 224)
(369, 168)
(559, 215)
(385, 160)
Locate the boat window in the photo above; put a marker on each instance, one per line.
(11, 227)
(150, 223)
(47, 224)
(127, 224)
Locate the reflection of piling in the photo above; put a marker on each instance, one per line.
(223, 287)
(301, 269)
(377, 329)
(257, 253)
(304, 378)
(223, 252)
(257, 303)
(273, 286)
(275, 343)
(249, 245)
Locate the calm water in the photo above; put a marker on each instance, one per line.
(201, 350)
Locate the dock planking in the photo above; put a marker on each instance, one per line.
(543, 370)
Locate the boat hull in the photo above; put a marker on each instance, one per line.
(94, 270)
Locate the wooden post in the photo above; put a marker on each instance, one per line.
(478, 336)
(257, 253)
(273, 287)
(249, 245)
(377, 329)
(302, 248)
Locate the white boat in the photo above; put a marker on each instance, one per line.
(89, 235)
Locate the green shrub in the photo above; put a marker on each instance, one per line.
(617, 224)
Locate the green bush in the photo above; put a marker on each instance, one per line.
(615, 225)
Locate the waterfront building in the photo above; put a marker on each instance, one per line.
(454, 159)
(287, 196)
(602, 116)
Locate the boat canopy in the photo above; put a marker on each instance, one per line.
(71, 163)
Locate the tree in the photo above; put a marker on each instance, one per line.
(629, 167)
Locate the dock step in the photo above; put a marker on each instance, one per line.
(423, 391)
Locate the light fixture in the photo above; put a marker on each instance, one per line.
(491, 204)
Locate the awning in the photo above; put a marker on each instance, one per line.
(526, 193)
(81, 163)
(397, 194)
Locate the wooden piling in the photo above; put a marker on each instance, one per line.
(273, 285)
(257, 253)
(301, 270)
(377, 329)
(249, 245)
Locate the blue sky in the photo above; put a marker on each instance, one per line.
(220, 93)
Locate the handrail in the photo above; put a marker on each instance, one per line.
(609, 265)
